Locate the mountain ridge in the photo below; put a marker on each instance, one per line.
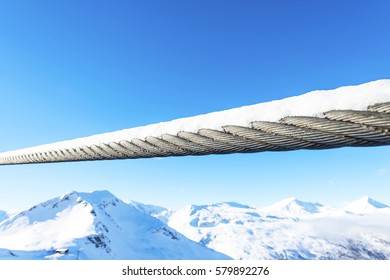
(288, 229)
(365, 205)
(94, 225)
(293, 206)
(98, 225)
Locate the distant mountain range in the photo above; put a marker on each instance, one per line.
(290, 229)
(98, 225)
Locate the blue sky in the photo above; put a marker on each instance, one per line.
(70, 69)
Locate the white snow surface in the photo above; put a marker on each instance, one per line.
(366, 205)
(292, 207)
(158, 212)
(290, 229)
(313, 103)
(98, 225)
(93, 225)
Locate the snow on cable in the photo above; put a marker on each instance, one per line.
(346, 116)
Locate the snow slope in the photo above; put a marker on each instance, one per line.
(93, 225)
(290, 229)
(158, 212)
(366, 205)
(3, 215)
(98, 225)
(309, 104)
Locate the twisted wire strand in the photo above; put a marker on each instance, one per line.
(380, 107)
(335, 129)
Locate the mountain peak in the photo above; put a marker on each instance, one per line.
(293, 206)
(364, 205)
(95, 195)
(289, 200)
(231, 204)
(96, 225)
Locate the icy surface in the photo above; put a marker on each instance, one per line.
(93, 226)
(310, 104)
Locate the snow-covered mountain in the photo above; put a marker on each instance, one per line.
(227, 227)
(158, 212)
(366, 205)
(98, 225)
(292, 207)
(290, 229)
(93, 225)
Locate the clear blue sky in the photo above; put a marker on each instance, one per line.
(70, 69)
